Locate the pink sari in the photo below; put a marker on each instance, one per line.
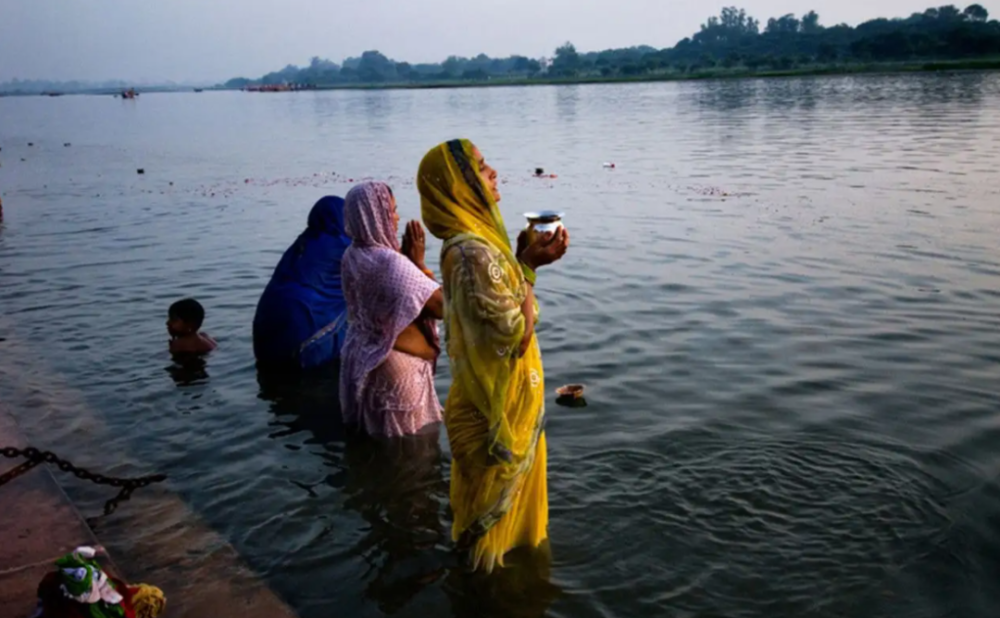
(384, 392)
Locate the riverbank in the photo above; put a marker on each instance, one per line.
(985, 64)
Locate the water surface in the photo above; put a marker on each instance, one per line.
(783, 301)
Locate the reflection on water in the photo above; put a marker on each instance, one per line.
(567, 99)
(783, 301)
(523, 589)
(188, 370)
(398, 488)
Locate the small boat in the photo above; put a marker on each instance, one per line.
(199, 89)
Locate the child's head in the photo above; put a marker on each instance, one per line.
(185, 317)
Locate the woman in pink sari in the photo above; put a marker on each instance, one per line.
(393, 303)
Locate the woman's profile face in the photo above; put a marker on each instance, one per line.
(488, 173)
(395, 214)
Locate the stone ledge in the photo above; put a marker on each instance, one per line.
(39, 524)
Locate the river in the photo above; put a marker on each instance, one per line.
(784, 301)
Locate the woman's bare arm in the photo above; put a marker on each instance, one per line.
(413, 342)
(434, 307)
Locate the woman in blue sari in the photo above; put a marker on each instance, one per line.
(301, 318)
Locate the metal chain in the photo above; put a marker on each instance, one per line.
(35, 457)
(17, 471)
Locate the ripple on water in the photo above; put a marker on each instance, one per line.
(695, 523)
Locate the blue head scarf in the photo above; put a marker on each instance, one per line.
(301, 316)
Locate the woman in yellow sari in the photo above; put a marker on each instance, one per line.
(495, 410)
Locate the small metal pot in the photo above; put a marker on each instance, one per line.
(541, 222)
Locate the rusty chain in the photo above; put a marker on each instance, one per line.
(35, 457)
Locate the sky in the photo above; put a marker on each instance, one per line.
(193, 41)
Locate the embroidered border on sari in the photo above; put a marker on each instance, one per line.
(485, 522)
(323, 332)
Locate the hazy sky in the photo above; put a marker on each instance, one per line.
(214, 40)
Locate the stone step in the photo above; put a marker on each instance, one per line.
(200, 573)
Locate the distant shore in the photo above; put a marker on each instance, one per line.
(708, 74)
(981, 64)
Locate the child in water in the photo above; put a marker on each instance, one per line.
(183, 321)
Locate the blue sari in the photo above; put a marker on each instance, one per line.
(301, 318)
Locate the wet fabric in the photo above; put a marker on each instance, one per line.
(495, 409)
(301, 318)
(399, 398)
(385, 392)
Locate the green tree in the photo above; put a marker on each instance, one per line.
(286, 75)
(976, 12)
(731, 25)
(405, 71)
(319, 71)
(786, 24)
(374, 67)
(810, 23)
(452, 67)
(826, 52)
(566, 61)
(522, 64)
(475, 75)
(784, 63)
(949, 13)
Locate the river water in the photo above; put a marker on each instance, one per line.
(784, 301)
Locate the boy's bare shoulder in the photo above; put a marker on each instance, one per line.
(193, 344)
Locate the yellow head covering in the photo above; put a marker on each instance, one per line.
(455, 201)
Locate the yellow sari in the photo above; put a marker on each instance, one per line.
(496, 406)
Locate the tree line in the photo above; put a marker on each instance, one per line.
(731, 41)
(374, 67)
